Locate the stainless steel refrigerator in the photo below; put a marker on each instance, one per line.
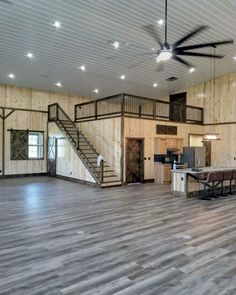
(194, 156)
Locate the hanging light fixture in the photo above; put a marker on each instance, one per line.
(210, 136)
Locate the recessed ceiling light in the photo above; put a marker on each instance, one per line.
(95, 90)
(82, 68)
(155, 85)
(57, 24)
(116, 44)
(234, 57)
(12, 76)
(30, 55)
(160, 22)
(191, 70)
(122, 77)
(58, 84)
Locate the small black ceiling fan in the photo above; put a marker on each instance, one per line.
(174, 51)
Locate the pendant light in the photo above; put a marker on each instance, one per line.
(211, 136)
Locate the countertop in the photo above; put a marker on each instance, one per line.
(202, 170)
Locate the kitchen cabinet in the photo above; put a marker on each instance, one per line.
(162, 144)
(172, 143)
(162, 173)
(180, 145)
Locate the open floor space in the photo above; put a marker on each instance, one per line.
(60, 237)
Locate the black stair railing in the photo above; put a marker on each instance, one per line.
(76, 137)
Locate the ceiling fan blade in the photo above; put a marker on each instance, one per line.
(151, 30)
(189, 35)
(199, 54)
(182, 61)
(211, 44)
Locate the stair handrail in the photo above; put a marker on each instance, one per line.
(101, 170)
(58, 108)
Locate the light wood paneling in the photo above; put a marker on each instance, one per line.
(223, 152)
(18, 97)
(105, 136)
(25, 120)
(68, 163)
(141, 128)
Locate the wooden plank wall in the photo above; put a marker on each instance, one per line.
(146, 129)
(18, 97)
(219, 109)
(68, 163)
(105, 136)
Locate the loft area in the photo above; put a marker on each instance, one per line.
(139, 107)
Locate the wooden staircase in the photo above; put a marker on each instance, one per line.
(103, 175)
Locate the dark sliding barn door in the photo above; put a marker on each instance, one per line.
(178, 107)
(134, 161)
(52, 156)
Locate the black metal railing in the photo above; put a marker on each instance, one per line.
(76, 137)
(137, 106)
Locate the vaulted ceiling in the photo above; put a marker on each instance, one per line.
(88, 29)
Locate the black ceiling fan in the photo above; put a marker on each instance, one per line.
(175, 51)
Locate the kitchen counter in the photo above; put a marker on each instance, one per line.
(184, 184)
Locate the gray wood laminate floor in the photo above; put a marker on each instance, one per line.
(60, 237)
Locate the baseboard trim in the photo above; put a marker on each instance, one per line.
(76, 180)
(151, 180)
(23, 175)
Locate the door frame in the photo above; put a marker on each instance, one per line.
(142, 139)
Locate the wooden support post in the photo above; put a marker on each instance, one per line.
(3, 141)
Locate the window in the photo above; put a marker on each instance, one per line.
(35, 145)
(26, 145)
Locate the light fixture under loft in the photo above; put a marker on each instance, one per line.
(210, 136)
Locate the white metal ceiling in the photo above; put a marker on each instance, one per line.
(88, 27)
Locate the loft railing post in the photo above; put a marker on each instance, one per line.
(77, 138)
(122, 104)
(75, 113)
(96, 109)
(154, 108)
(102, 170)
(202, 116)
(57, 111)
(181, 112)
(49, 115)
(139, 111)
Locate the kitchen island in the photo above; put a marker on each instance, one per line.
(184, 181)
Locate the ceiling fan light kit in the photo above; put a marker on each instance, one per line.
(164, 55)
